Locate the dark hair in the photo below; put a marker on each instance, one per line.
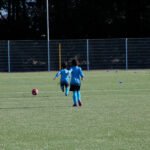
(64, 65)
(75, 62)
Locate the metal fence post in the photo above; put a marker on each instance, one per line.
(48, 36)
(48, 51)
(8, 56)
(126, 47)
(87, 48)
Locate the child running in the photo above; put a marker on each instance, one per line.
(76, 77)
(64, 81)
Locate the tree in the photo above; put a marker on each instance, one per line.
(26, 19)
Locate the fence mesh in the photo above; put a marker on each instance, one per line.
(107, 54)
(26, 56)
(3, 56)
(70, 49)
(139, 53)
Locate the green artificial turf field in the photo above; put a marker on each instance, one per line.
(115, 114)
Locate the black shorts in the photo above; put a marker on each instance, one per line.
(64, 84)
(74, 88)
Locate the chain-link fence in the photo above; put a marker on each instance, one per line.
(26, 56)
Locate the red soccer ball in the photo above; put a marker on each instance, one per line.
(35, 91)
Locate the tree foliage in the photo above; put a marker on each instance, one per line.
(26, 19)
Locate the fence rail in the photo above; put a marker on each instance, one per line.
(26, 56)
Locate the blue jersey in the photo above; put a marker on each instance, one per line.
(64, 76)
(76, 75)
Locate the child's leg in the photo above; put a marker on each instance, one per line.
(75, 97)
(62, 88)
(67, 91)
(79, 98)
(78, 95)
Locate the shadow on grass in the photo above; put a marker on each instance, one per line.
(7, 108)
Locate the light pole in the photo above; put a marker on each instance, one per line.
(48, 37)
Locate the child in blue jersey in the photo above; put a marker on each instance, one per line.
(76, 77)
(64, 81)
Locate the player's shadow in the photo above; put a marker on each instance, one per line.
(38, 107)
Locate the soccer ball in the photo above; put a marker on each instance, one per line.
(35, 91)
